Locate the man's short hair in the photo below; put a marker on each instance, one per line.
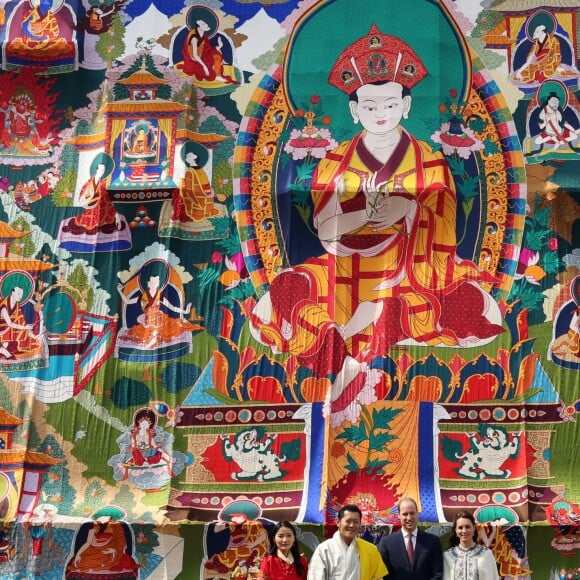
(407, 500)
(349, 507)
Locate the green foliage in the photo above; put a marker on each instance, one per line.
(27, 435)
(128, 393)
(225, 150)
(375, 430)
(537, 235)
(239, 293)
(62, 196)
(490, 147)
(492, 60)
(222, 180)
(187, 95)
(146, 539)
(111, 45)
(485, 22)
(5, 396)
(125, 498)
(94, 499)
(56, 488)
(23, 246)
(79, 280)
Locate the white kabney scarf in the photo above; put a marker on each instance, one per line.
(350, 555)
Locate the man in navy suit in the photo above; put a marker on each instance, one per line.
(422, 560)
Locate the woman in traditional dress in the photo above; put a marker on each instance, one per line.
(466, 559)
(284, 561)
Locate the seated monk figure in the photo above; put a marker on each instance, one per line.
(544, 58)
(17, 337)
(103, 547)
(43, 35)
(160, 321)
(195, 199)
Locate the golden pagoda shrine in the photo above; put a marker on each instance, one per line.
(21, 471)
(140, 137)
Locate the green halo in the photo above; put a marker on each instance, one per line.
(141, 126)
(106, 160)
(552, 87)
(20, 279)
(203, 13)
(310, 58)
(538, 18)
(197, 148)
(490, 513)
(575, 290)
(155, 267)
(247, 507)
(111, 511)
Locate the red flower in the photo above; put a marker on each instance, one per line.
(216, 258)
(326, 120)
(453, 93)
(442, 108)
(300, 112)
(315, 99)
(553, 243)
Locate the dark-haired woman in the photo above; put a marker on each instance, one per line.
(284, 561)
(466, 559)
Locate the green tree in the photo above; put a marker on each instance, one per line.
(486, 21)
(23, 246)
(62, 195)
(5, 396)
(125, 499)
(27, 434)
(55, 482)
(226, 148)
(187, 95)
(146, 541)
(94, 499)
(79, 280)
(69, 158)
(111, 45)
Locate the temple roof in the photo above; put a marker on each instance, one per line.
(29, 265)
(154, 106)
(37, 460)
(498, 38)
(8, 421)
(142, 79)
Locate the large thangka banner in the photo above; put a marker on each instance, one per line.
(259, 260)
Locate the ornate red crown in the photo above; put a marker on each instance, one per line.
(376, 57)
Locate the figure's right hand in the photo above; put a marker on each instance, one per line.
(376, 195)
